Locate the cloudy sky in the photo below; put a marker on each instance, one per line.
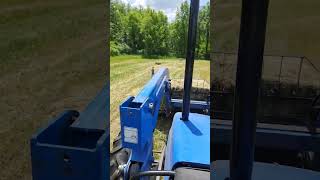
(169, 7)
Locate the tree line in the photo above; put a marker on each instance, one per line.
(145, 31)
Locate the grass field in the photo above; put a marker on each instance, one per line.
(52, 58)
(130, 73)
(290, 31)
(291, 28)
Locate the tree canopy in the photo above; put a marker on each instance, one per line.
(145, 31)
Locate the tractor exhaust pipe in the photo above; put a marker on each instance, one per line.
(192, 34)
(249, 69)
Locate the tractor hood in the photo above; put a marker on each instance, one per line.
(188, 142)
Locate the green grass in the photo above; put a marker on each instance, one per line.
(128, 75)
(36, 28)
(52, 58)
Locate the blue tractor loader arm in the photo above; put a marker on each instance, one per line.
(187, 148)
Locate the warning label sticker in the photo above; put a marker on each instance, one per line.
(131, 135)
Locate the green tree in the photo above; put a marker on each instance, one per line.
(135, 38)
(117, 23)
(180, 30)
(138, 30)
(155, 33)
(202, 49)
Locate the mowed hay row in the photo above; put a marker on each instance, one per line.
(275, 73)
(200, 89)
(196, 83)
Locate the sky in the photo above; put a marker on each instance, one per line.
(169, 7)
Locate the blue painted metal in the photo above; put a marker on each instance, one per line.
(95, 114)
(194, 105)
(266, 171)
(272, 136)
(188, 142)
(72, 148)
(138, 116)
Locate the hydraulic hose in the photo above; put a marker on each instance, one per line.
(153, 173)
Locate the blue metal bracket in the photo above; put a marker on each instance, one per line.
(271, 136)
(138, 116)
(74, 146)
(194, 105)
